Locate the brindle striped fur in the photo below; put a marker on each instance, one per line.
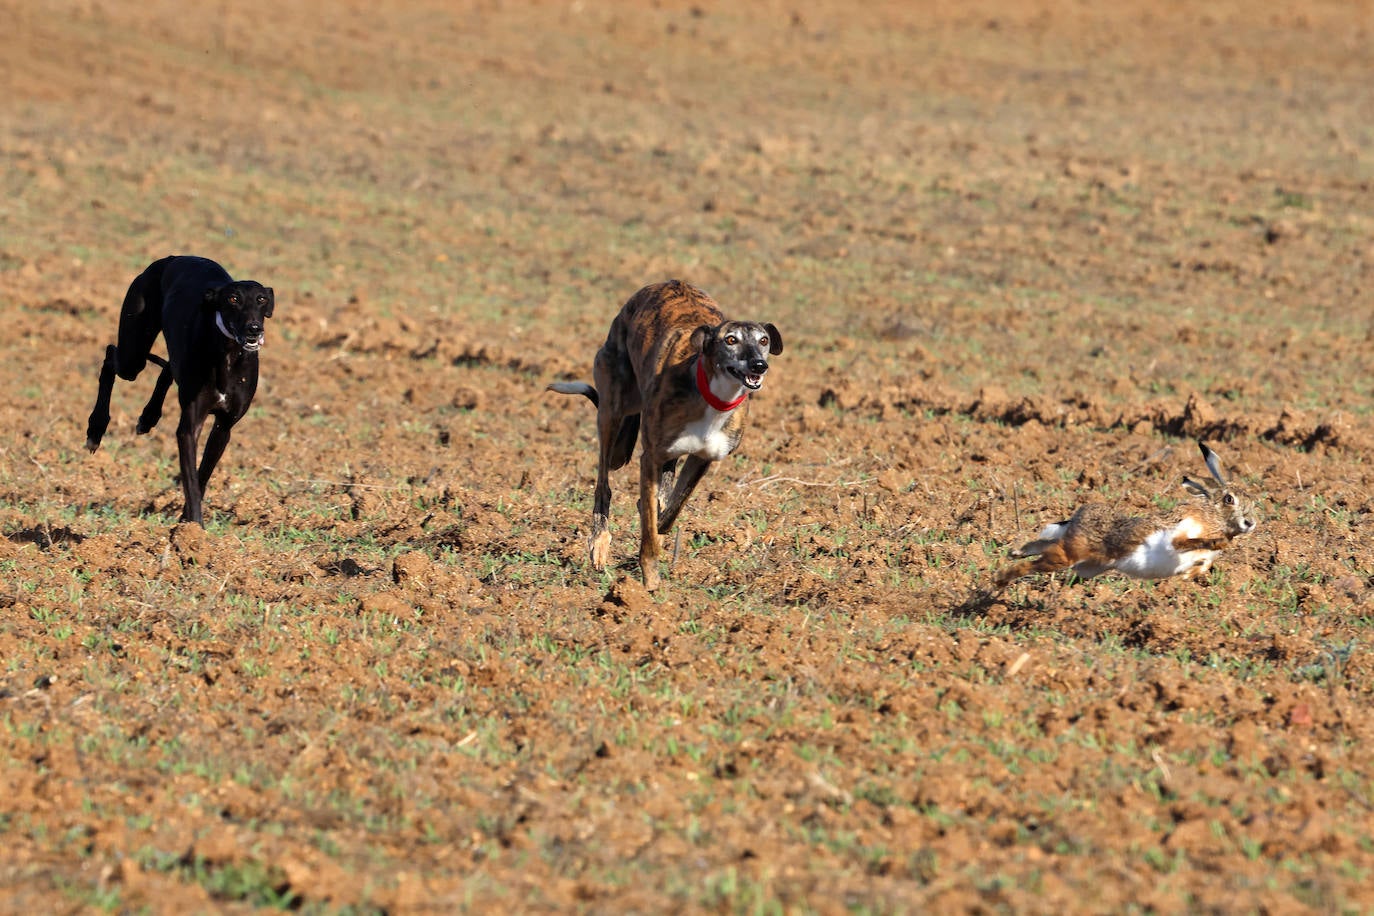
(645, 388)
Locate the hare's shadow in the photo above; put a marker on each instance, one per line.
(46, 536)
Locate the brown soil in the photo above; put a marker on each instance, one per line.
(1021, 253)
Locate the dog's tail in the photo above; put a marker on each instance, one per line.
(575, 388)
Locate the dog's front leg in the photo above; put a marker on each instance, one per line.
(693, 469)
(215, 444)
(188, 434)
(649, 548)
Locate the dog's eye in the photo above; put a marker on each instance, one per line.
(731, 340)
(763, 341)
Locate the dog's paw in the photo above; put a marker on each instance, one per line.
(600, 550)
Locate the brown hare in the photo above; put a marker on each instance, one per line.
(1096, 539)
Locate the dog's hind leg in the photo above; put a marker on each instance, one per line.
(693, 469)
(625, 439)
(152, 412)
(100, 414)
(599, 541)
(140, 321)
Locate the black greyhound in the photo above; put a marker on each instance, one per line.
(212, 324)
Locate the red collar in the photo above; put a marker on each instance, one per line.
(704, 386)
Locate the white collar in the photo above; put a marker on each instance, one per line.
(219, 323)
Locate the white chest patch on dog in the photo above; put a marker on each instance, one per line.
(1156, 557)
(706, 438)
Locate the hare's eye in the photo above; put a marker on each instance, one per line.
(1229, 499)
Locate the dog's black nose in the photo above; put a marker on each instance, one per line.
(758, 366)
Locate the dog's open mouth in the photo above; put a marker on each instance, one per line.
(751, 381)
(252, 344)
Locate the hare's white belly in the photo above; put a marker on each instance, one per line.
(1156, 557)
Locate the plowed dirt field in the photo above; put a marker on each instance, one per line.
(1023, 254)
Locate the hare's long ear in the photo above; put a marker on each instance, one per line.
(1197, 489)
(1213, 463)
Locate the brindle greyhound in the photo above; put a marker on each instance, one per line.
(213, 328)
(674, 373)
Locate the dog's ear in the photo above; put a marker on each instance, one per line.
(271, 301)
(701, 336)
(774, 339)
(211, 299)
